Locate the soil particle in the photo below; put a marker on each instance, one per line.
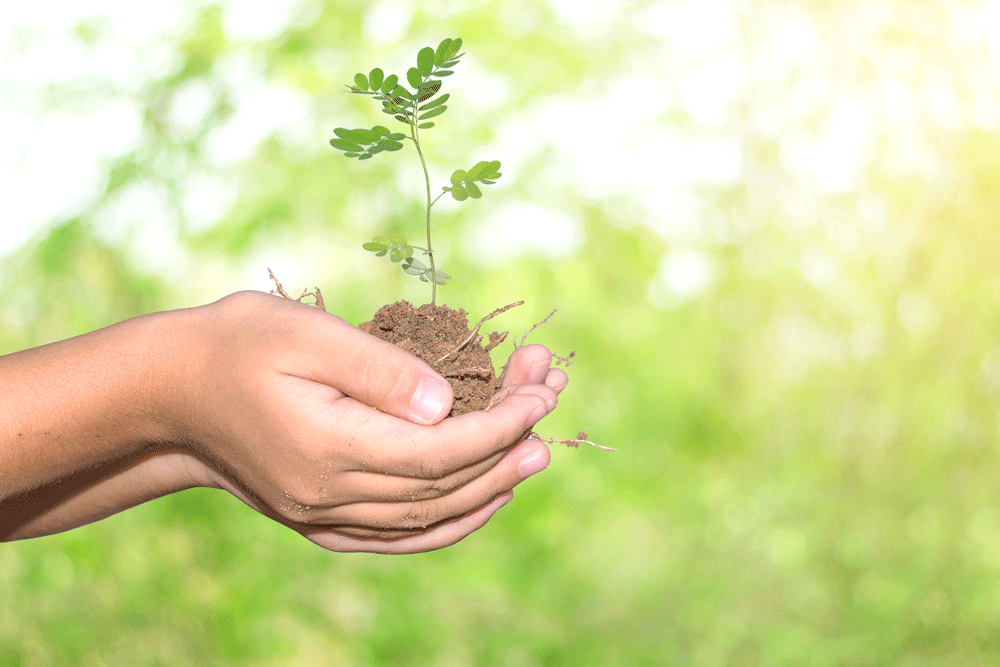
(436, 334)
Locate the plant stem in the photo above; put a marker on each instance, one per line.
(427, 180)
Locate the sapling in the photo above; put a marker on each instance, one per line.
(414, 109)
(437, 334)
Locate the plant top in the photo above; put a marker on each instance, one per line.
(414, 108)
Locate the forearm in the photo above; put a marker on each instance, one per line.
(81, 403)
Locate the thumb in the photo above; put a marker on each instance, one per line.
(372, 371)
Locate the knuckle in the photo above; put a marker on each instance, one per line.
(420, 515)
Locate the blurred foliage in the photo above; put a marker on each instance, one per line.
(807, 466)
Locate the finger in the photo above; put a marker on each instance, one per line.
(556, 379)
(379, 374)
(384, 444)
(528, 458)
(527, 365)
(441, 536)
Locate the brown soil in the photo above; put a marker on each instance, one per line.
(441, 337)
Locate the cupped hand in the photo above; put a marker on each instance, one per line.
(339, 435)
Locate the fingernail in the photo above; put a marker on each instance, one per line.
(531, 464)
(430, 398)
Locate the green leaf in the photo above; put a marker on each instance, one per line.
(440, 277)
(473, 190)
(425, 61)
(345, 145)
(407, 251)
(384, 240)
(389, 84)
(395, 255)
(439, 101)
(429, 91)
(414, 267)
(384, 131)
(375, 78)
(450, 63)
(413, 76)
(478, 170)
(381, 253)
(365, 156)
(487, 182)
(391, 145)
(425, 126)
(396, 136)
(458, 176)
(359, 136)
(443, 49)
(434, 112)
(377, 148)
(459, 193)
(397, 240)
(455, 47)
(493, 169)
(403, 119)
(361, 80)
(443, 72)
(401, 93)
(374, 247)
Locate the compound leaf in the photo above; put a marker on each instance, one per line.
(425, 61)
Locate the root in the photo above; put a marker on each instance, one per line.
(462, 372)
(472, 335)
(317, 295)
(580, 439)
(556, 357)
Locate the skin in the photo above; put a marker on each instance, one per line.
(300, 415)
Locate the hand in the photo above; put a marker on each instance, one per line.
(273, 404)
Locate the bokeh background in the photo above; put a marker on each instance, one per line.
(771, 233)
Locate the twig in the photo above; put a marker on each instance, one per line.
(475, 330)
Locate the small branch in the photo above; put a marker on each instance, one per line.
(438, 197)
(475, 330)
(580, 439)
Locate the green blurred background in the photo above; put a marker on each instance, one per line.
(770, 229)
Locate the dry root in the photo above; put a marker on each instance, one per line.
(495, 338)
(317, 295)
(580, 439)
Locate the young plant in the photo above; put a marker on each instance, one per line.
(414, 109)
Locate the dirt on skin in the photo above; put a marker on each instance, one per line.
(442, 338)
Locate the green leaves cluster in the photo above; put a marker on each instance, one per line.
(463, 183)
(365, 144)
(415, 107)
(400, 251)
(406, 106)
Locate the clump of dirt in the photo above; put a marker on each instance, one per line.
(442, 338)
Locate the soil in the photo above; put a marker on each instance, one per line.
(441, 337)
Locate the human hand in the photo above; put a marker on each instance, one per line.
(235, 390)
(279, 408)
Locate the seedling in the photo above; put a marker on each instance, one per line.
(437, 334)
(414, 109)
